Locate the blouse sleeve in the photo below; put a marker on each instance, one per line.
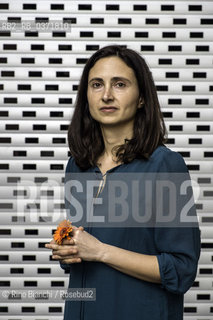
(178, 247)
(64, 266)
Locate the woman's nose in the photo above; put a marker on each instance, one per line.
(107, 94)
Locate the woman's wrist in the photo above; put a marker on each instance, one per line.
(102, 253)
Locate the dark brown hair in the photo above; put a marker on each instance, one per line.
(84, 134)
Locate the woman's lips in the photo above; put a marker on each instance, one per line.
(108, 109)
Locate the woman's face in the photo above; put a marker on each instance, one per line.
(113, 94)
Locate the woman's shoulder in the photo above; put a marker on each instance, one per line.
(167, 160)
(72, 166)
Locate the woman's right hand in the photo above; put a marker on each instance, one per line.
(66, 251)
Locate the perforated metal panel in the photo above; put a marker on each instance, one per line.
(40, 70)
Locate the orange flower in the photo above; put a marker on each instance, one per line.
(63, 231)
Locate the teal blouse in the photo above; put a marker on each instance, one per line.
(118, 295)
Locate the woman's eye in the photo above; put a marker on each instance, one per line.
(96, 85)
(120, 84)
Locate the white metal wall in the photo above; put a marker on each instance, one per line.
(39, 77)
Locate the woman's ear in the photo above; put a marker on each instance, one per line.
(140, 103)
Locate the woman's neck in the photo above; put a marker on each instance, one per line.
(115, 136)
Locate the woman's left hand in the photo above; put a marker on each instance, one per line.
(82, 246)
(89, 248)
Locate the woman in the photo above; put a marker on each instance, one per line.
(139, 272)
